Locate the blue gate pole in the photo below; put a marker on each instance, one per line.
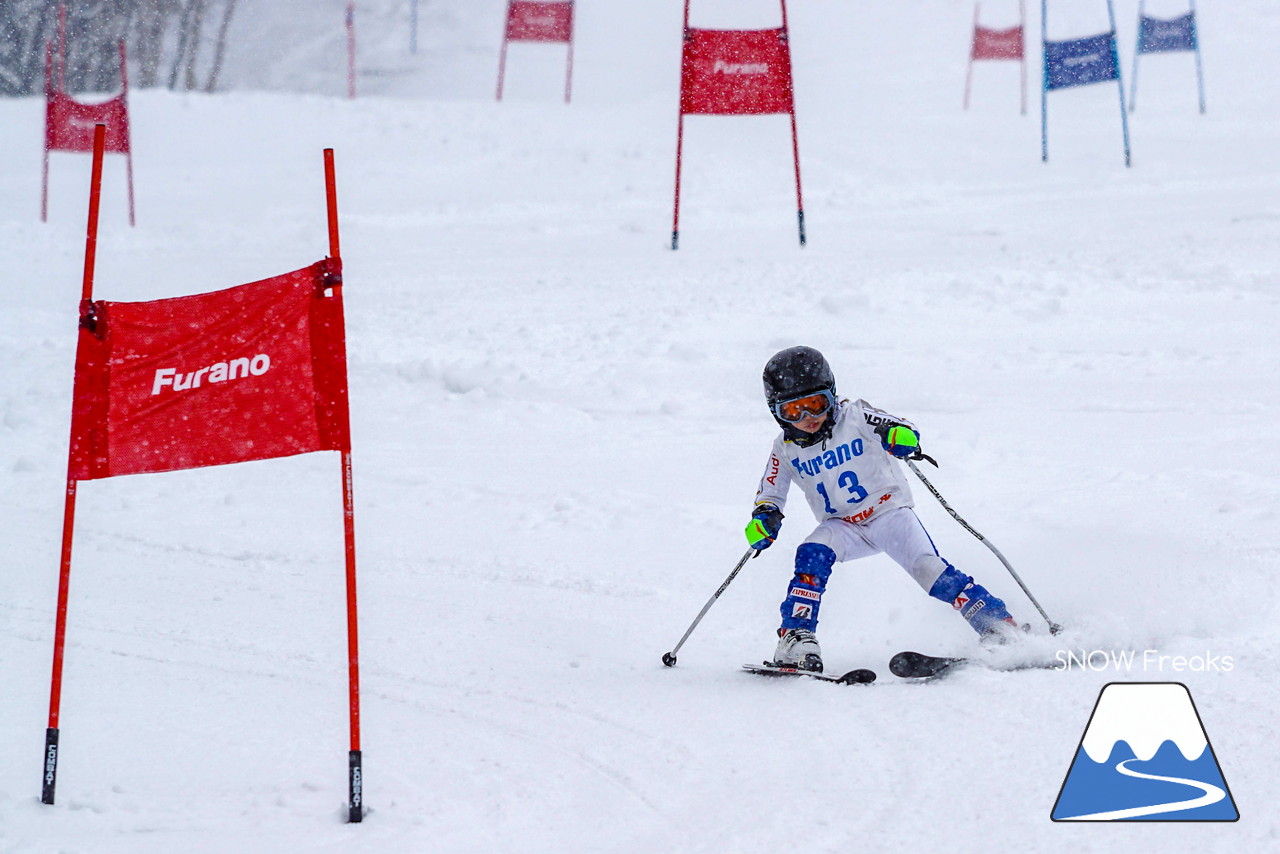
(1044, 82)
(413, 27)
(1137, 52)
(1195, 41)
(1115, 57)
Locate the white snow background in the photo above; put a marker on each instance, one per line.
(558, 428)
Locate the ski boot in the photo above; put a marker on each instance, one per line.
(982, 610)
(798, 648)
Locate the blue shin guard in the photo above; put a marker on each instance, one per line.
(983, 610)
(813, 568)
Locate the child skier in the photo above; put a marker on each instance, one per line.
(842, 456)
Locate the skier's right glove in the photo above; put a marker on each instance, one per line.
(765, 524)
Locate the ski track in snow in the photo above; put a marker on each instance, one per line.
(558, 429)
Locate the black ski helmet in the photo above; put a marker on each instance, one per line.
(795, 372)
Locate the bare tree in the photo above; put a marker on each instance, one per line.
(149, 30)
(220, 48)
(193, 43)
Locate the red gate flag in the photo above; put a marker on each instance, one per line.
(69, 124)
(538, 21)
(248, 373)
(992, 44)
(736, 72)
(997, 44)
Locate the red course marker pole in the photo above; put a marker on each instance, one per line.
(351, 50)
(355, 766)
(795, 141)
(50, 778)
(128, 155)
(568, 74)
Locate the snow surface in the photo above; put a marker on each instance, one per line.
(558, 430)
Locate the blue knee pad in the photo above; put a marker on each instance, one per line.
(804, 595)
(980, 608)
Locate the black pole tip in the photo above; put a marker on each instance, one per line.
(668, 659)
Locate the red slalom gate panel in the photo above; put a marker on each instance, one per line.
(538, 21)
(736, 72)
(247, 373)
(998, 44)
(69, 124)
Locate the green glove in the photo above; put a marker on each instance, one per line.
(900, 440)
(764, 526)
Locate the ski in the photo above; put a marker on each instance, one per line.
(861, 676)
(917, 665)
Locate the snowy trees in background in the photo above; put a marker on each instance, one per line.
(202, 29)
(25, 26)
(175, 43)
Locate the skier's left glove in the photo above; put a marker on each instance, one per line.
(764, 526)
(899, 440)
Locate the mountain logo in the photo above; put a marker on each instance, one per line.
(1145, 756)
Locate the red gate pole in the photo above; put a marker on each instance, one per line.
(48, 93)
(44, 187)
(128, 137)
(968, 77)
(502, 56)
(675, 217)
(795, 149)
(351, 50)
(1022, 56)
(675, 220)
(355, 766)
(568, 75)
(795, 142)
(50, 779)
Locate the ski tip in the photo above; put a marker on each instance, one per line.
(861, 676)
(917, 665)
(907, 665)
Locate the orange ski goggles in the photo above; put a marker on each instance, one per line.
(798, 408)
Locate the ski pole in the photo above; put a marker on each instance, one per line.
(1054, 628)
(669, 658)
